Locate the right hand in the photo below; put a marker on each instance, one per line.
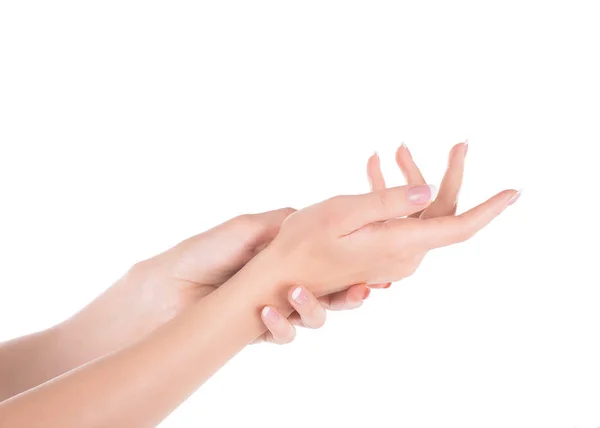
(309, 311)
(370, 238)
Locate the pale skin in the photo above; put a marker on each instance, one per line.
(310, 311)
(139, 367)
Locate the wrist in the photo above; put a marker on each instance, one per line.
(263, 282)
(134, 306)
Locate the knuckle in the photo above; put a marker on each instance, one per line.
(244, 220)
(383, 200)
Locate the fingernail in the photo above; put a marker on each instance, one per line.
(421, 194)
(515, 198)
(466, 146)
(388, 285)
(403, 145)
(299, 295)
(269, 314)
(366, 293)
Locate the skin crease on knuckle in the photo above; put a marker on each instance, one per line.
(384, 201)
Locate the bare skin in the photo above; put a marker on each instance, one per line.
(310, 311)
(149, 295)
(360, 239)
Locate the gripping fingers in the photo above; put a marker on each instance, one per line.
(351, 298)
(308, 307)
(281, 331)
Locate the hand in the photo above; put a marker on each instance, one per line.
(175, 279)
(312, 314)
(309, 311)
(445, 203)
(364, 239)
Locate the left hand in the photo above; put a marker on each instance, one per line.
(446, 201)
(311, 311)
(172, 281)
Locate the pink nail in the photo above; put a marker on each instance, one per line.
(269, 314)
(418, 195)
(299, 295)
(515, 198)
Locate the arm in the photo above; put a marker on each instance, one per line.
(144, 299)
(107, 324)
(149, 295)
(344, 240)
(142, 384)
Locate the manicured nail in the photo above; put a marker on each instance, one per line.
(376, 157)
(299, 295)
(269, 314)
(388, 285)
(405, 147)
(366, 293)
(466, 146)
(421, 194)
(515, 198)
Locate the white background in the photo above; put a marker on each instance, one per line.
(127, 126)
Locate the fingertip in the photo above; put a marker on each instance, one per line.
(515, 197)
(270, 315)
(373, 160)
(422, 194)
(365, 293)
(458, 154)
(356, 295)
(374, 174)
(401, 151)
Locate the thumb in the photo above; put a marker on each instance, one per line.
(267, 225)
(385, 204)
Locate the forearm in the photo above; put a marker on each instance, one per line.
(122, 314)
(140, 385)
